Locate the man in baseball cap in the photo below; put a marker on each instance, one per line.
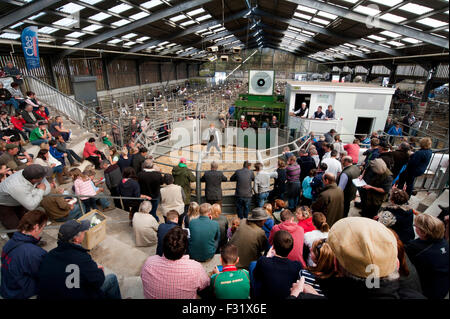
(69, 272)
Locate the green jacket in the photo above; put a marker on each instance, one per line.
(37, 134)
(231, 285)
(183, 176)
(204, 239)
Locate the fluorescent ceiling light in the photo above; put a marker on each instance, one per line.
(8, 35)
(65, 22)
(16, 25)
(91, 2)
(178, 18)
(195, 12)
(114, 41)
(142, 38)
(388, 3)
(390, 34)
(302, 16)
(392, 18)
(120, 8)
(36, 16)
(139, 15)
(47, 30)
(100, 16)
(415, 8)
(46, 40)
(75, 34)
(205, 17)
(189, 22)
(92, 27)
(71, 42)
(366, 10)
(70, 8)
(375, 37)
(411, 40)
(321, 21)
(432, 22)
(306, 9)
(151, 4)
(120, 23)
(327, 15)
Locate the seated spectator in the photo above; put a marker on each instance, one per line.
(17, 94)
(173, 275)
(129, 187)
(53, 273)
(139, 159)
(307, 197)
(304, 217)
(297, 232)
(31, 118)
(145, 226)
(40, 134)
(359, 243)
(172, 197)
(243, 124)
(32, 100)
(61, 146)
(19, 125)
(250, 237)
(10, 158)
(171, 222)
(44, 158)
(216, 215)
(113, 155)
(41, 112)
(8, 129)
(57, 129)
(204, 235)
(398, 216)
(92, 154)
(7, 98)
(105, 139)
(60, 156)
(230, 283)
(22, 256)
(58, 208)
(320, 232)
(235, 222)
(353, 150)
(429, 254)
(98, 190)
(274, 275)
(83, 186)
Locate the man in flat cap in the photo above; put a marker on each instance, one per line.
(10, 159)
(69, 272)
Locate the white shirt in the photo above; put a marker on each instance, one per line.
(309, 239)
(334, 166)
(326, 155)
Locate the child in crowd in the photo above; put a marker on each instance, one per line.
(269, 221)
(105, 139)
(235, 222)
(83, 186)
(230, 283)
(193, 213)
(99, 190)
(303, 214)
(279, 206)
(307, 197)
(317, 182)
(223, 225)
(113, 156)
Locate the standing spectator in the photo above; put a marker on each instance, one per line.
(145, 226)
(286, 153)
(213, 184)
(297, 232)
(353, 150)
(429, 253)
(22, 191)
(268, 225)
(372, 153)
(173, 275)
(303, 111)
(320, 232)
(230, 283)
(138, 159)
(243, 178)
(253, 124)
(171, 222)
(40, 134)
(61, 146)
(330, 114)
(330, 201)
(53, 273)
(275, 274)
(395, 130)
(349, 173)
(113, 176)
(243, 124)
(293, 182)
(317, 181)
(319, 115)
(11, 70)
(213, 134)
(145, 123)
(205, 235)
(150, 181)
(274, 123)
(163, 131)
(92, 154)
(319, 146)
(125, 160)
(250, 237)
(307, 196)
(279, 185)
(338, 146)
(417, 165)
(327, 148)
(315, 156)
(333, 165)
(134, 128)
(261, 185)
(183, 176)
(379, 182)
(21, 258)
(172, 197)
(329, 137)
(306, 163)
(388, 125)
(304, 217)
(129, 187)
(386, 154)
(216, 215)
(407, 119)
(416, 126)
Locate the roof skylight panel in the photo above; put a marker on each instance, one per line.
(92, 27)
(189, 22)
(411, 40)
(120, 23)
(367, 10)
(129, 43)
(65, 22)
(91, 2)
(129, 35)
(150, 4)
(163, 43)
(8, 35)
(306, 9)
(302, 16)
(195, 12)
(71, 42)
(415, 8)
(75, 34)
(178, 18)
(202, 18)
(392, 18)
(47, 30)
(70, 8)
(432, 22)
(37, 16)
(390, 34)
(100, 16)
(114, 41)
(388, 3)
(327, 15)
(375, 37)
(396, 43)
(220, 29)
(16, 25)
(139, 15)
(321, 21)
(120, 8)
(143, 39)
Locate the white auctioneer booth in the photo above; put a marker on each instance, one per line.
(360, 108)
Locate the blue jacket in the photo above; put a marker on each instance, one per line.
(418, 162)
(393, 131)
(162, 231)
(54, 273)
(21, 258)
(56, 154)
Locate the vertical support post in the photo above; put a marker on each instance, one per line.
(159, 73)
(138, 73)
(105, 74)
(52, 73)
(369, 74)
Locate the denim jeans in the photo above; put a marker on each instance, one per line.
(71, 155)
(13, 102)
(243, 206)
(39, 141)
(262, 197)
(89, 204)
(111, 287)
(103, 201)
(155, 202)
(75, 213)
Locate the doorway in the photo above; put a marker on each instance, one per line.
(299, 99)
(364, 126)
